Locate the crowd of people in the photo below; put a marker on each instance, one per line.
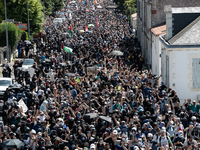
(91, 99)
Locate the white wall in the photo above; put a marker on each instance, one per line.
(180, 72)
(156, 59)
(133, 23)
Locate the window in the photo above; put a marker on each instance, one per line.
(5, 82)
(196, 72)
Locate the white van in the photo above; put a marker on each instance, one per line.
(4, 83)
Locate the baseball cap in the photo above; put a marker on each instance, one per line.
(180, 132)
(33, 131)
(92, 146)
(163, 128)
(171, 122)
(134, 128)
(162, 124)
(28, 120)
(191, 122)
(194, 118)
(115, 132)
(150, 135)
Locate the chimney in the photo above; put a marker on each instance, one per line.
(168, 11)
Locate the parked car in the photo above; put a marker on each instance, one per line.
(4, 83)
(27, 63)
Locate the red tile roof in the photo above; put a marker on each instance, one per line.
(134, 16)
(159, 30)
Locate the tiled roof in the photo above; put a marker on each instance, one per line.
(189, 35)
(134, 16)
(159, 30)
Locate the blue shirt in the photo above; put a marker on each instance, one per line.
(42, 58)
(115, 107)
(138, 136)
(145, 91)
(74, 93)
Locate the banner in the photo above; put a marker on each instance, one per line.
(21, 26)
(91, 70)
(23, 106)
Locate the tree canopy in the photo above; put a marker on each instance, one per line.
(14, 34)
(129, 6)
(17, 10)
(57, 5)
(47, 6)
(52, 6)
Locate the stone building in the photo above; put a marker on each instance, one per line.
(150, 14)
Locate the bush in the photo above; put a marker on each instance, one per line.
(24, 35)
(13, 35)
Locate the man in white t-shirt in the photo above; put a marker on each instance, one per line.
(32, 140)
(43, 116)
(164, 141)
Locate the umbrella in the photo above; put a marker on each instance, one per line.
(117, 53)
(108, 119)
(99, 6)
(90, 116)
(81, 31)
(90, 25)
(27, 42)
(70, 74)
(12, 143)
(11, 103)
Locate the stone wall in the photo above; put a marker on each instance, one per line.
(158, 16)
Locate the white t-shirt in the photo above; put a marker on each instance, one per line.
(42, 118)
(171, 130)
(43, 106)
(177, 128)
(156, 137)
(164, 141)
(31, 141)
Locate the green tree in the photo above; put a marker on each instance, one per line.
(1, 12)
(17, 10)
(47, 7)
(24, 35)
(13, 34)
(57, 5)
(130, 7)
